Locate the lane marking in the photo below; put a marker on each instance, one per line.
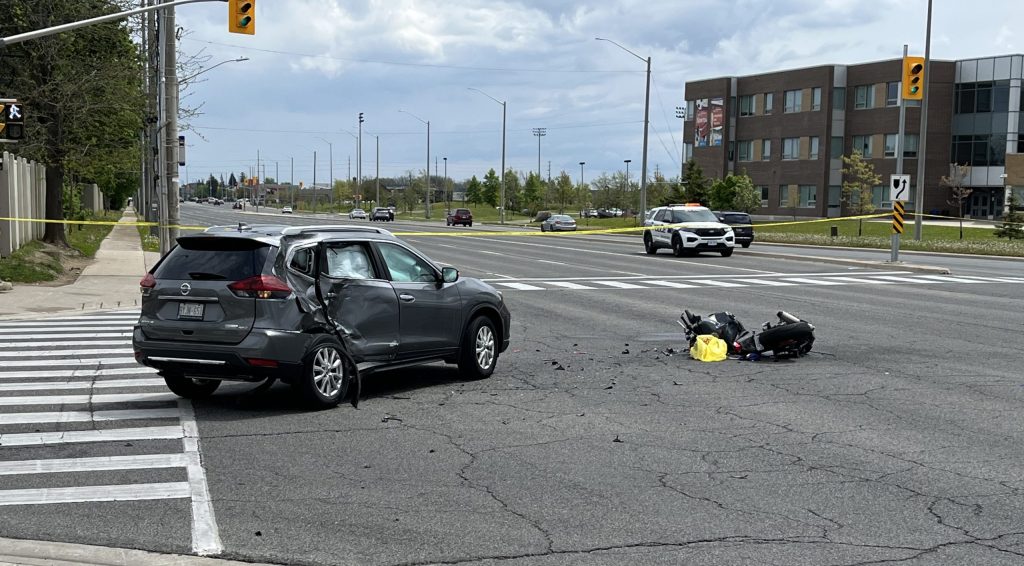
(56, 353)
(705, 276)
(550, 262)
(70, 362)
(138, 370)
(42, 330)
(868, 281)
(95, 464)
(768, 282)
(73, 335)
(65, 385)
(945, 278)
(813, 281)
(672, 284)
(108, 398)
(520, 286)
(64, 343)
(620, 285)
(87, 416)
(714, 283)
(92, 493)
(98, 435)
(205, 535)
(899, 279)
(570, 285)
(74, 324)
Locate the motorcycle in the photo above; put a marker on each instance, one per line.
(790, 337)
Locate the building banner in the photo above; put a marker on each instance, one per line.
(702, 129)
(717, 120)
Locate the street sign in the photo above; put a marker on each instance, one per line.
(181, 151)
(899, 187)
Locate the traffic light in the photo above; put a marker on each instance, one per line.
(13, 126)
(361, 118)
(913, 78)
(242, 16)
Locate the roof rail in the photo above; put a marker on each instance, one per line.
(296, 230)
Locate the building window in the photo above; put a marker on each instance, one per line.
(837, 147)
(732, 151)
(815, 143)
(862, 144)
(768, 99)
(890, 145)
(839, 98)
(764, 195)
(793, 99)
(892, 94)
(747, 105)
(878, 195)
(790, 148)
(816, 98)
(808, 196)
(910, 142)
(784, 195)
(689, 110)
(766, 150)
(863, 96)
(746, 150)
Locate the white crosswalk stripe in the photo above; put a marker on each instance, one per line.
(76, 380)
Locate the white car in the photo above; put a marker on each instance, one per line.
(357, 213)
(687, 229)
(286, 210)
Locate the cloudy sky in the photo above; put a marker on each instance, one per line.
(315, 64)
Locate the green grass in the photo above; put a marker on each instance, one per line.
(491, 215)
(86, 238)
(30, 265)
(149, 243)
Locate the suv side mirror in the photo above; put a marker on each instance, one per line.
(449, 274)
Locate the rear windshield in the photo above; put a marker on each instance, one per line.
(214, 259)
(736, 218)
(697, 215)
(561, 217)
(462, 211)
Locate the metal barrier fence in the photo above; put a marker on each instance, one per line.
(22, 195)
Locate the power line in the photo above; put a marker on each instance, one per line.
(405, 64)
(457, 132)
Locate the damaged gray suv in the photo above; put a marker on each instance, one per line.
(313, 306)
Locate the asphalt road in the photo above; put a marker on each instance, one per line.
(598, 441)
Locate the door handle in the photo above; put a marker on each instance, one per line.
(406, 298)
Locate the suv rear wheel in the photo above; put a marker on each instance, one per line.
(326, 375)
(479, 353)
(191, 388)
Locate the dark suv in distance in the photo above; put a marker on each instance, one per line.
(742, 226)
(460, 216)
(310, 306)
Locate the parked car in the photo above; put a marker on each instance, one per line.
(382, 214)
(588, 213)
(742, 226)
(309, 305)
(558, 223)
(460, 216)
(286, 210)
(542, 216)
(357, 213)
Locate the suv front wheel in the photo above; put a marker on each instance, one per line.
(479, 352)
(325, 374)
(191, 388)
(649, 246)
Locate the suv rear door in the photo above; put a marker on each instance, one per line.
(191, 301)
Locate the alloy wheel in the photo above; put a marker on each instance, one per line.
(328, 371)
(485, 347)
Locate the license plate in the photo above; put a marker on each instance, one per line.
(190, 310)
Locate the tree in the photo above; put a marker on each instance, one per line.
(859, 180)
(214, 184)
(513, 190)
(83, 93)
(695, 185)
(491, 188)
(735, 192)
(658, 189)
(563, 190)
(533, 192)
(232, 182)
(474, 191)
(958, 192)
(1012, 227)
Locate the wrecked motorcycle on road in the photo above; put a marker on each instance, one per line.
(790, 337)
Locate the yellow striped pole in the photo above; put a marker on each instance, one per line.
(897, 217)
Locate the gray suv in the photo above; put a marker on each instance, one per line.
(313, 306)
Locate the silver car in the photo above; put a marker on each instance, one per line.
(312, 306)
(558, 223)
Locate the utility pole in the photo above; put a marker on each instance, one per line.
(258, 179)
(171, 94)
(923, 134)
(681, 114)
(315, 188)
(895, 243)
(359, 156)
(539, 132)
(448, 202)
(378, 170)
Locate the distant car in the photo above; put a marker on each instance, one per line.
(558, 223)
(542, 216)
(218, 202)
(588, 213)
(460, 216)
(237, 205)
(357, 213)
(286, 210)
(381, 214)
(742, 226)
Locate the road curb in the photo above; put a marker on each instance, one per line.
(40, 553)
(854, 262)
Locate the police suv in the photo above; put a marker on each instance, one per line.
(687, 229)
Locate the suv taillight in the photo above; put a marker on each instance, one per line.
(261, 287)
(147, 284)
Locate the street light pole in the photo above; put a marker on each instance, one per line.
(681, 114)
(426, 171)
(378, 170)
(647, 114)
(539, 132)
(504, 114)
(447, 202)
(627, 162)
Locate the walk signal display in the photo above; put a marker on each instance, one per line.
(913, 78)
(242, 16)
(12, 125)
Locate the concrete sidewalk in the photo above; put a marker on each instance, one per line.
(27, 552)
(111, 281)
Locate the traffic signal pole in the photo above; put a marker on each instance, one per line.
(895, 252)
(923, 135)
